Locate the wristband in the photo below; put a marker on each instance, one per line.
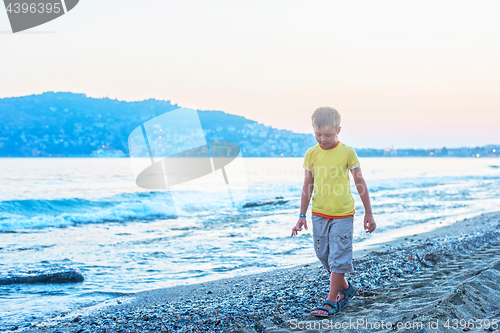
(302, 215)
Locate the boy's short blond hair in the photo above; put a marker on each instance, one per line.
(326, 116)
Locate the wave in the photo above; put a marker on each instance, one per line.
(25, 215)
(392, 184)
(43, 275)
(33, 214)
(29, 214)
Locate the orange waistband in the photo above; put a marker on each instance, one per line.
(334, 217)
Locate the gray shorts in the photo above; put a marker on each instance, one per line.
(333, 242)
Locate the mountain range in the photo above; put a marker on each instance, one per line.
(65, 124)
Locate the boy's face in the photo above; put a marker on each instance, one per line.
(326, 136)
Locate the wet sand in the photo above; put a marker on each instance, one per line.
(450, 275)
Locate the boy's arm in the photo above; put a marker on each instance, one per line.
(369, 221)
(307, 191)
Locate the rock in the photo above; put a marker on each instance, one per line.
(275, 329)
(265, 203)
(248, 330)
(263, 324)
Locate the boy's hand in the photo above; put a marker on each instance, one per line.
(370, 224)
(298, 227)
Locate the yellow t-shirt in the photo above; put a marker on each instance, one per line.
(332, 195)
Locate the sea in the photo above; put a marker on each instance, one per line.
(89, 215)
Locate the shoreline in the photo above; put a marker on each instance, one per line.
(273, 301)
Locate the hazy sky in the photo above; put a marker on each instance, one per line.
(401, 73)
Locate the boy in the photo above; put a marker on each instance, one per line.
(327, 165)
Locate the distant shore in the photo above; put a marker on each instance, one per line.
(440, 277)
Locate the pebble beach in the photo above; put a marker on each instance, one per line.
(447, 277)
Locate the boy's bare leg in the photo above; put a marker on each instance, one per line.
(337, 282)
